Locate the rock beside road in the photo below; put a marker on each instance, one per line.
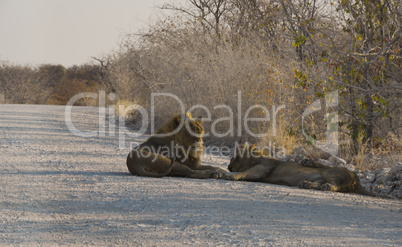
(383, 181)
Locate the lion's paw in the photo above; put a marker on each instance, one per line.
(219, 173)
(307, 163)
(329, 187)
(228, 176)
(221, 170)
(304, 184)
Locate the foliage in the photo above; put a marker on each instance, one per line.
(291, 53)
(45, 84)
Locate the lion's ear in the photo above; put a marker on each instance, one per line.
(255, 151)
(199, 120)
(177, 121)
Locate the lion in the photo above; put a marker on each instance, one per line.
(252, 165)
(181, 139)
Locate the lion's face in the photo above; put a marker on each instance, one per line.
(193, 128)
(191, 132)
(235, 164)
(245, 158)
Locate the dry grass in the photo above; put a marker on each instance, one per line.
(380, 155)
(281, 140)
(181, 59)
(122, 108)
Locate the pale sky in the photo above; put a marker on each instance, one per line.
(69, 32)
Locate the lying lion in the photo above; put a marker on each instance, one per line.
(251, 165)
(150, 159)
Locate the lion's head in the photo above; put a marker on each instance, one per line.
(184, 131)
(246, 156)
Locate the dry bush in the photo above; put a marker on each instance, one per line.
(22, 85)
(219, 74)
(262, 59)
(199, 70)
(386, 154)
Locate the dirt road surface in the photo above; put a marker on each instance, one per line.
(59, 189)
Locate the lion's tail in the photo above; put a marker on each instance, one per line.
(362, 191)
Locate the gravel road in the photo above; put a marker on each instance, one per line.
(61, 189)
